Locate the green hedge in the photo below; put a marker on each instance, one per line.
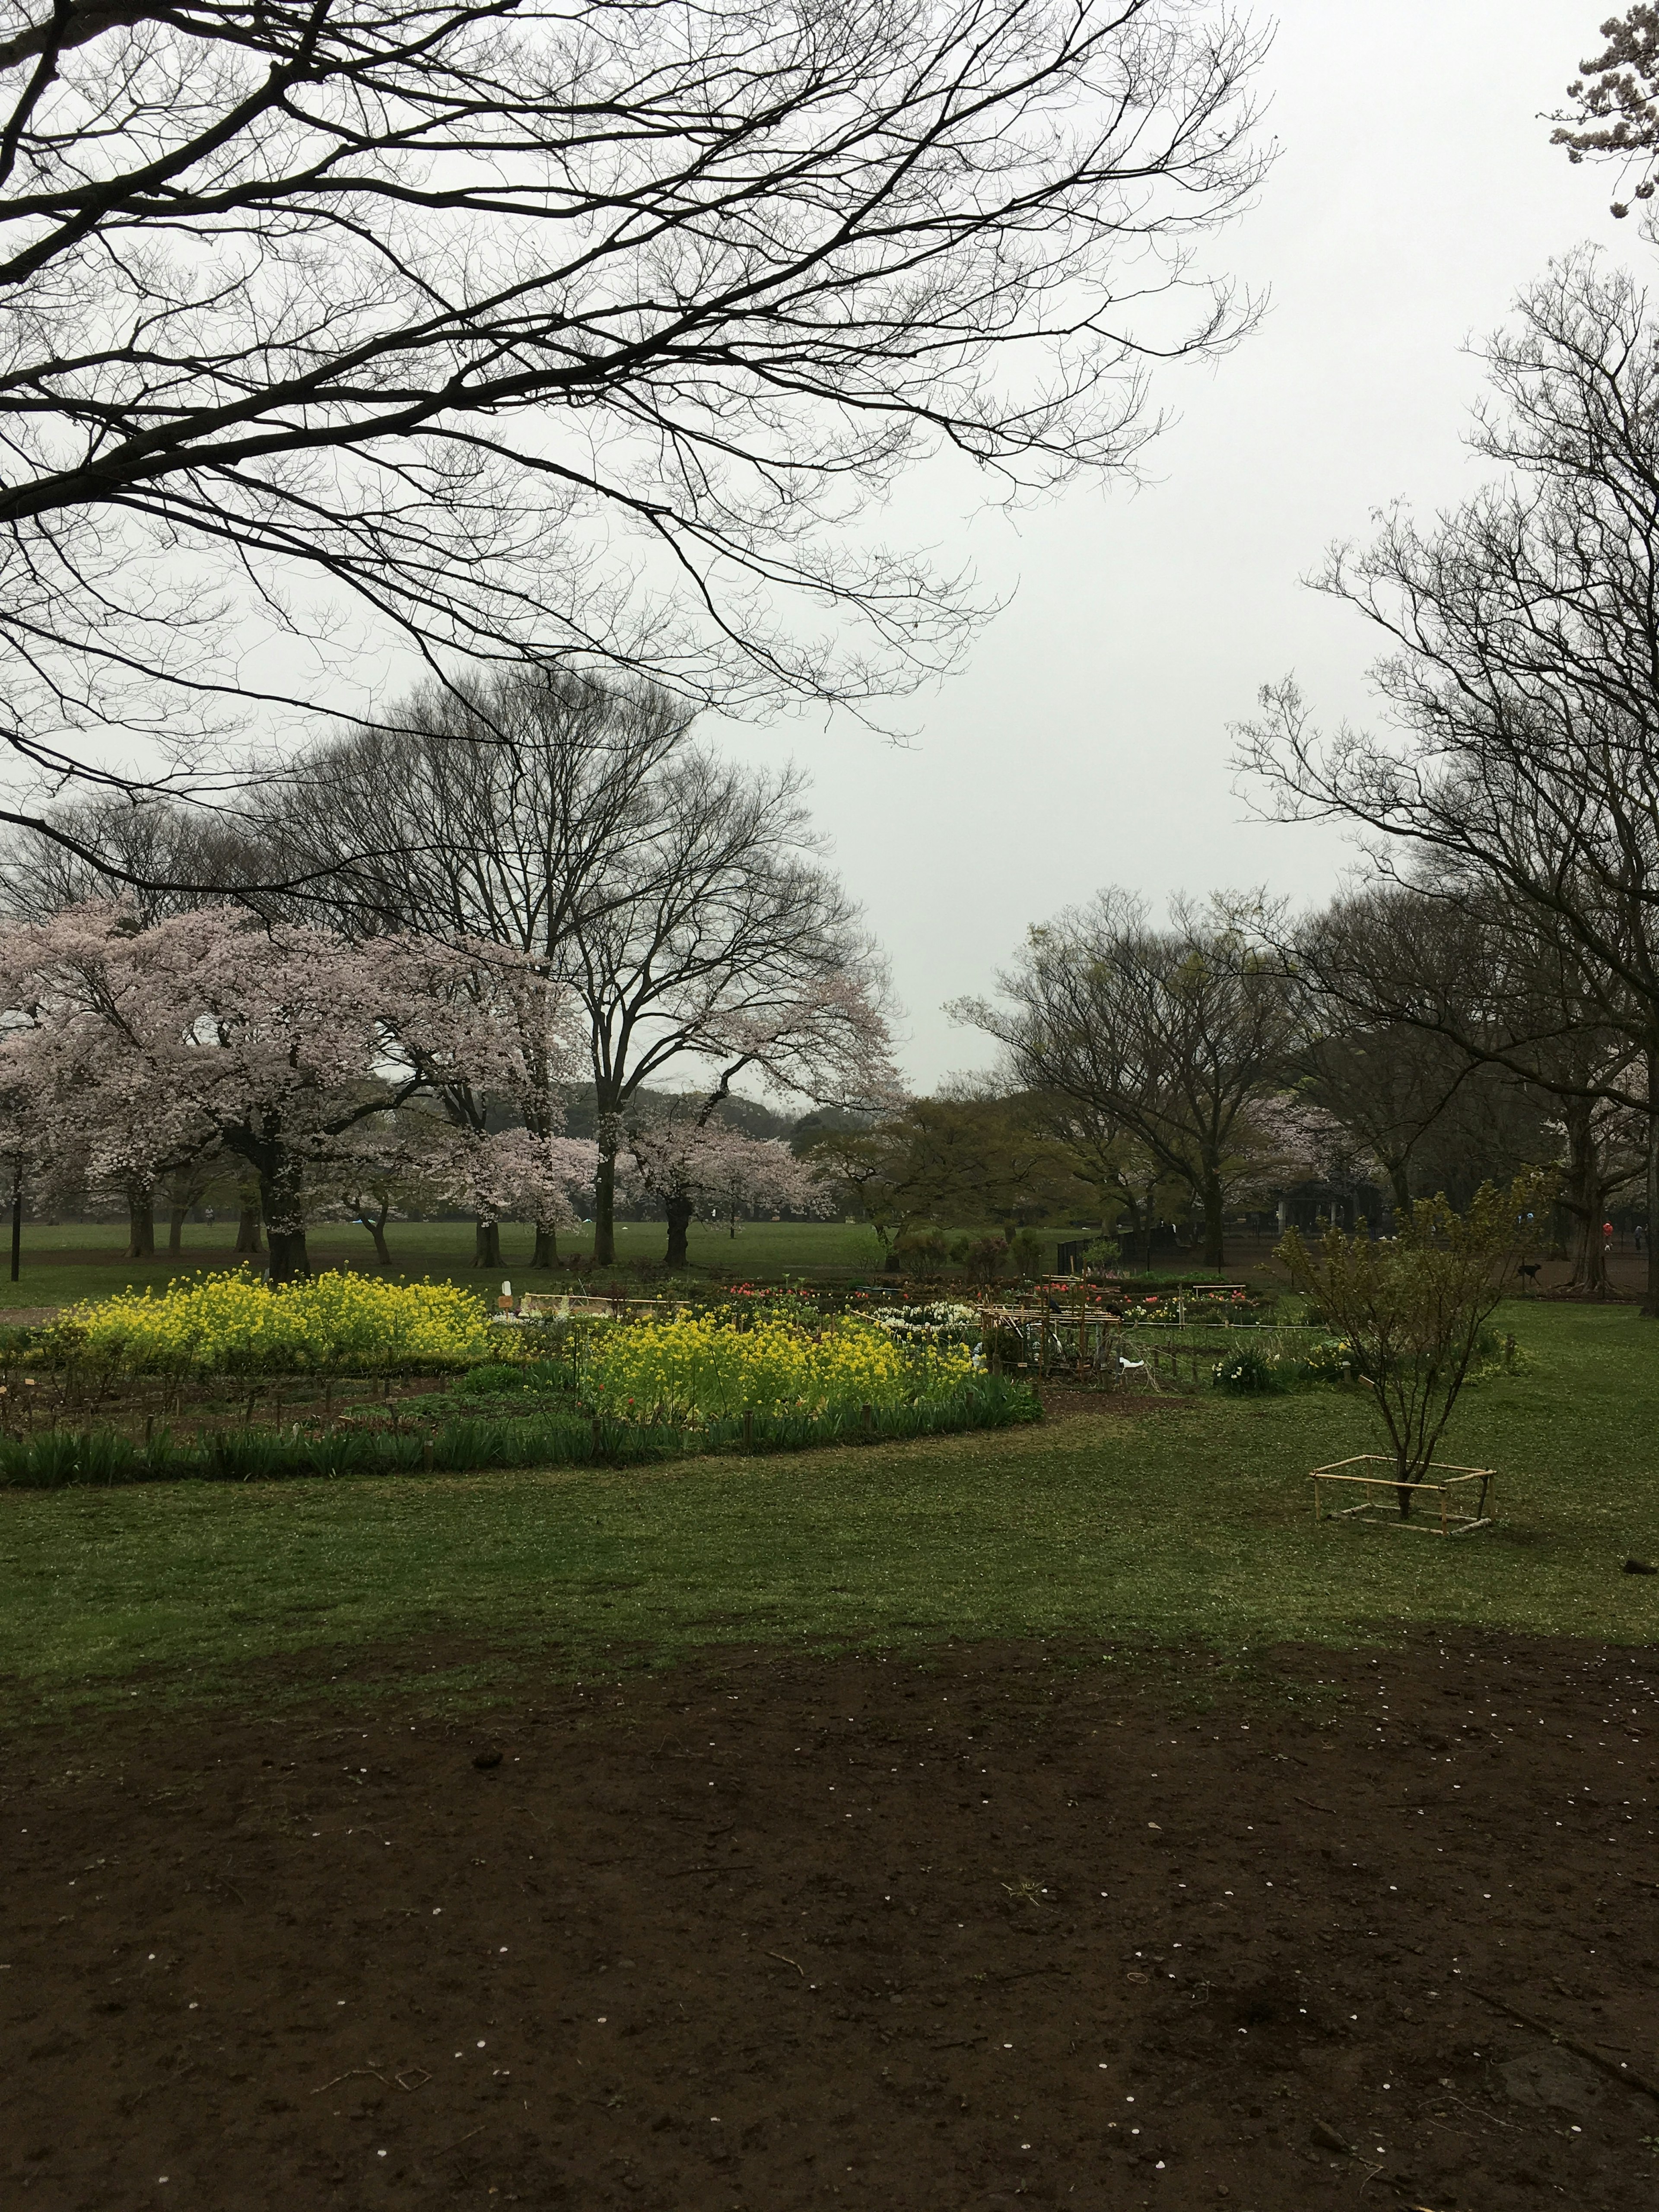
(56, 1458)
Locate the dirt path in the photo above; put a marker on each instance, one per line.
(772, 1933)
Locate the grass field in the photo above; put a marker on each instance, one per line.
(1175, 1527)
(81, 1260)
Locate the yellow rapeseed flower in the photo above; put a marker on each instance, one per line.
(700, 1363)
(237, 1322)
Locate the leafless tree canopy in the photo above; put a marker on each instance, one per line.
(586, 331)
(1172, 1034)
(502, 808)
(1523, 673)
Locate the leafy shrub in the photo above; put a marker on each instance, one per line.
(699, 1366)
(499, 1379)
(982, 1257)
(1030, 1252)
(924, 1254)
(234, 1323)
(1248, 1373)
(56, 1459)
(1331, 1360)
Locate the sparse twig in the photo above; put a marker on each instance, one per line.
(347, 2077)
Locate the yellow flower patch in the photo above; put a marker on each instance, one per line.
(701, 1364)
(235, 1322)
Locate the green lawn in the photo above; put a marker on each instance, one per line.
(83, 1260)
(1186, 1526)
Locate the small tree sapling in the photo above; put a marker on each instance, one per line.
(1413, 1306)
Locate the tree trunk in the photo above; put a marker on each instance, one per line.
(140, 1227)
(283, 1208)
(176, 1230)
(487, 1245)
(1651, 1302)
(546, 1254)
(678, 1211)
(290, 1262)
(1400, 1183)
(605, 1203)
(1582, 1196)
(377, 1231)
(1215, 1224)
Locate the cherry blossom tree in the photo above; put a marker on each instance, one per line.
(516, 1175)
(146, 1047)
(692, 1160)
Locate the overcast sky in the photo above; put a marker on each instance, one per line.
(1085, 742)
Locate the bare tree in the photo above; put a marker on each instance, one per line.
(1173, 1034)
(499, 809)
(157, 853)
(723, 945)
(580, 330)
(1421, 1033)
(1524, 676)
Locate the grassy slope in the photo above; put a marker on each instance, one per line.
(1189, 1526)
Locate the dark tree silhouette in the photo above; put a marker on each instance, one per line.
(352, 333)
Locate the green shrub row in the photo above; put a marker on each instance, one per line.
(56, 1458)
(1248, 1372)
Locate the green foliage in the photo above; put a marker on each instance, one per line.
(56, 1458)
(1414, 1307)
(515, 1378)
(1248, 1373)
(955, 1162)
(1330, 1360)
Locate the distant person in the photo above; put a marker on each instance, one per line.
(1607, 1237)
(1641, 1238)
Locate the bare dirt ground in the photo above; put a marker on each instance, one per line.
(768, 1932)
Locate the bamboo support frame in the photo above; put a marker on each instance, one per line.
(1385, 1507)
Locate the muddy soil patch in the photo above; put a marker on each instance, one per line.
(767, 1932)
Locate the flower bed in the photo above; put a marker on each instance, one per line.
(237, 1324)
(943, 1321)
(56, 1458)
(700, 1365)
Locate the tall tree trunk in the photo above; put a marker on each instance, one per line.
(280, 1203)
(140, 1227)
(604, 1201)
(377, 1231)
(546, 1254)
(1400, 1184)
(1582, 1198)
(248, 1238)
(290, 1262)
(678, 1211)
(487, 1245)
(176, 1216)
(1215, 1224)
(1651, 1302)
